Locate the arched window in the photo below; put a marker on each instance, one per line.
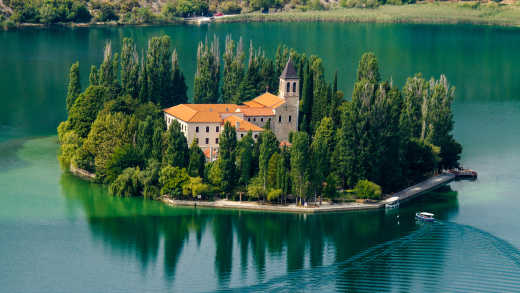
(294, 87)
(288, 87)
(289, 118)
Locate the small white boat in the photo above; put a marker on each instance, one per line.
(392, 203)
(424, 216)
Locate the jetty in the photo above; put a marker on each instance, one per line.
(403, 195)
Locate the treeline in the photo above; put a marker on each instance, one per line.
(383, 139)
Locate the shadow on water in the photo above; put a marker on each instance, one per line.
(9, 158)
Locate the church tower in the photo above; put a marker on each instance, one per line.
(289, 90)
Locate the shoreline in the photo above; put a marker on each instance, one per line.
(408, 193)
(421, 13)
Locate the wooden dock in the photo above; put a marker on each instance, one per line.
(423, 187)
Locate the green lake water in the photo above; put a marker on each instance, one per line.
(61, 234)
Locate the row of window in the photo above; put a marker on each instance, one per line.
(217, 129)
(262, 119)
(293, 87)
(216, 139)
(280, 119)
(254, 119)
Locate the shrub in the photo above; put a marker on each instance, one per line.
(274, 194)
(127, 183)
(195, 187)
(123, 157)
(255, 189)
(367, 189)
(107, 12)
(172, 180)
(230, 7)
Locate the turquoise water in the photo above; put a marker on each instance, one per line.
(61, 234)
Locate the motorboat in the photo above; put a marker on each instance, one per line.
(392, 203)
(424, 216)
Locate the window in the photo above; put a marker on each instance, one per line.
(216, 140)
(241, 135)
(269, 119)
(207, 128)
(197, 129)
(256, 136)
(288, 87)
(217, 129)
(279, 118)
(294, 87)
(254, 119)
(289, 118)
(262, 119)
(207, 140)
(249, 119)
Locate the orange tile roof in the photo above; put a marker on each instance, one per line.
(269, 100)
(200, 112)
(253, 104)
(285, 143)
(244, 125)
(256, 111)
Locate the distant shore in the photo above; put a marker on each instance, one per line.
(422, 13)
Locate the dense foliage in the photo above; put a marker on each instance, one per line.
(381, 140)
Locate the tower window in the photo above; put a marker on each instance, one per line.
(294, 87)
(289, 118)
(249, 119)
(262, 119)
(279, 118)
(207, 128)
(288, 87)
(217, 129)
(254, 119)
(197, 129)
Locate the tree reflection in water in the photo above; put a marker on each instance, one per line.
(133, 227)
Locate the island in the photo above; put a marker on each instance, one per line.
(269, 131)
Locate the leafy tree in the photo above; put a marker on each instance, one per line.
(269, 146)
(74, 88)
(245, 158)
(195, 187)
(144, 137)
(419, 159)
(69, 144)
(86, 107)
(172, 179)
(196, 160)
(93, 78)
(157, 142)
(368, 68)
(129, 68)
(227, 157)
(272, 168)
(178, 83)
(415, 93)
(207, 76)
(125, 156)
(322, 147)
(107, 74)
(300, 164)
(367, 189)
(274, 194)
(255, 189)
(176, 153)
(233, 70)
(127, 183)
(149, 178)
(159, 71)
(307, 100)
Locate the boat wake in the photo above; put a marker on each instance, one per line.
(441, 256)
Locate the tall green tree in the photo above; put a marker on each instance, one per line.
(245, 158)
(233, 69)
(176, 153)
(227, 157)
(179, 90)
(207, 76)
(322, 147)
(157, 142)
(307, 100)
(197, 160)
(107, 74)
(300, 164)
(269, 146)
(86, 107)
(144, 137)
(159, 71)
(129, 68)
(74, 88)
(415, 94)
(93, 76)
(368, 68)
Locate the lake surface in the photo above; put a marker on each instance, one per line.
(61, 234)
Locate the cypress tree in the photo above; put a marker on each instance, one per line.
(129, 68)
(180, 89)
(227, 157)
(322, 147)
(307, 100)
(269, 146)
(159, 71)
(207, 76)
(245, 158)
(176, 153)
(93, 76)
(368, 68)
(196, 161)
(142, 81)
(74, 88)
(157, 142)
(144, 137)
(300, 164)
(107, 74)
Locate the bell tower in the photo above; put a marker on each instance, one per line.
(287, 114)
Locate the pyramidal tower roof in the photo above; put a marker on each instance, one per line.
(289, 72)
